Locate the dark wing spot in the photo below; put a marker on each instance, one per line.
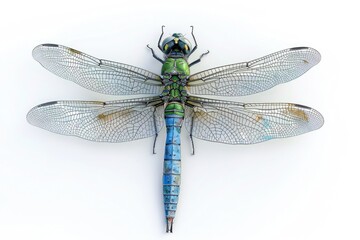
(302, 106)
(47, 104)
(298, 48)
(50, 45)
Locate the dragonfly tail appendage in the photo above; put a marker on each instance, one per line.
(169, 224)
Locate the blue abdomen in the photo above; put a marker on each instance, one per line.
(172, 166)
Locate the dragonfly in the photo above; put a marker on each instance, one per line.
(173, 101)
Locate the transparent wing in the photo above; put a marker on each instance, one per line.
(239, 123)
(98, 75)
(115, 121)
(255, 76)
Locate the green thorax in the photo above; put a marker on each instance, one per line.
(175, 65)
(175, 72)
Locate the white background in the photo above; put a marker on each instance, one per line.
(55, 187)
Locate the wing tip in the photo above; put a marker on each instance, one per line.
(53, 45)
(29, 117)
(320, 119)
(316, 53)
(46, 45)
(314, 117)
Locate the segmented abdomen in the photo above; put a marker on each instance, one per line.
(174, 116)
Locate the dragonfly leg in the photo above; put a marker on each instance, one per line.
(191, 136)
(162, 33)
(154, 55)
(198, 60)
(156, 132)
(192, 144)
(155, 143)
(195, 47)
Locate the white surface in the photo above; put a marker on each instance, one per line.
(56, 187)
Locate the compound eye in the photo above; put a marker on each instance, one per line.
(167, 47)
(184, 47)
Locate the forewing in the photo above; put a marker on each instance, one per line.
(115, 121)
(98, 75)
(238, 123)
(255, 76)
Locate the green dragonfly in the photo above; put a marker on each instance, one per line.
(173, 101)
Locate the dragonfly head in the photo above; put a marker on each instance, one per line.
(176, 43)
